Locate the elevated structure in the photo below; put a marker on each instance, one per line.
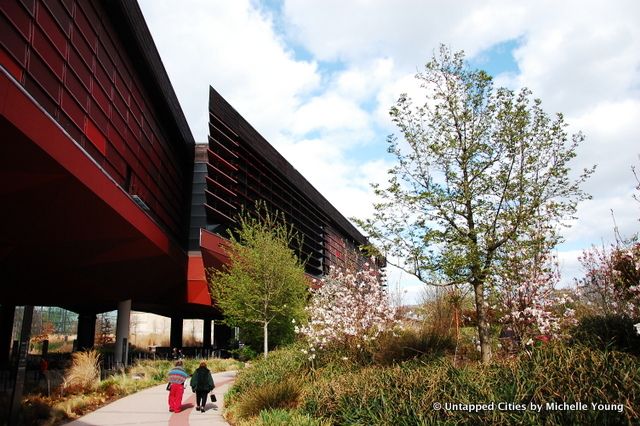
(107, 202)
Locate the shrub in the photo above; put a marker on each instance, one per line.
(155, 370)
(36, 411)
(412, 343)
(217, 365)
(608, 332)
(244, 353)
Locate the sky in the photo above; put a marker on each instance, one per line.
(317, 78)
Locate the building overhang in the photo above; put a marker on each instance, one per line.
(69, 235)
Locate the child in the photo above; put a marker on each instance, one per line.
(177, 377)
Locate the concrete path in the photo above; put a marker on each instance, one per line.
(151, 407)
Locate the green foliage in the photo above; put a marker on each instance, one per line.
(477, 171)
(281, 417)
(156, 370)
(281, 333)
(283, 363)
(405, 394)
(611, 332)
(264, 280)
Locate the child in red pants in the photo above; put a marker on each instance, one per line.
(177, 377)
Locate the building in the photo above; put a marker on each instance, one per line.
(107, 201)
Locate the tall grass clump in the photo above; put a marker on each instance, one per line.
(282, 395)
(84, 373)
(282, 417)
(273, 382)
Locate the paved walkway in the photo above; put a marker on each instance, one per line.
(151, 407)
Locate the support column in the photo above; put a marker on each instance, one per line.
(7, 315)
(175, 338)
(222, 334)
(121, 354)
(21, 368)
(206, 334)
(86, 331)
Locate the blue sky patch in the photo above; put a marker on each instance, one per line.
(498, 58)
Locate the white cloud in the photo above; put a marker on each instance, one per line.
(234, 48)
(570, 267)
(329, 112)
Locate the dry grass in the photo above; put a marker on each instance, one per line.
(84, 373)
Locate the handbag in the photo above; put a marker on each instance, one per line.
(213, 397)
(168, 386)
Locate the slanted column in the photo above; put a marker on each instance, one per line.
(7, 315)
(175, 338)
(121, 353)
(86, 331)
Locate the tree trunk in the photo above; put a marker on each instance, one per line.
(483, 324)
(265, 330)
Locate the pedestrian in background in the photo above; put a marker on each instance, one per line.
(177, 377)
(202, 384)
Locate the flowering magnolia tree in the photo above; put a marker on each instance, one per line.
(347, 311)
(611, 284)
(531, 306)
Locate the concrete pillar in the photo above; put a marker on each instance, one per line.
(86, 331)
(7, 314)
(206, 334)
(121, 354)
(175, 337)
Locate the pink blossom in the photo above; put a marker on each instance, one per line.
(348, 310)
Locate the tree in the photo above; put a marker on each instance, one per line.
(348, 311)
(526, 295)
(265, 279)
(612, 276)
(611, 283)
(104, 333)
(476, 169)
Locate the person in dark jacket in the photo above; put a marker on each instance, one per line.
(202, 384)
